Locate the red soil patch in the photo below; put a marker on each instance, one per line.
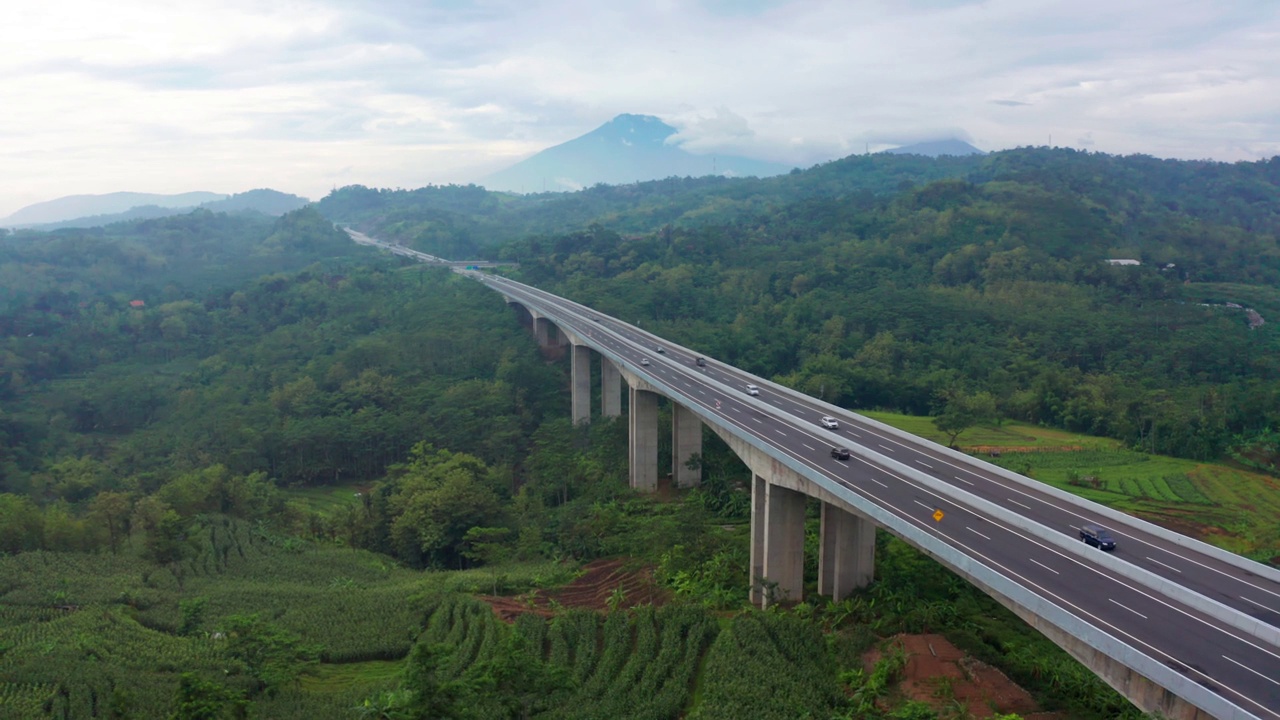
(939, 674)
(592, 591)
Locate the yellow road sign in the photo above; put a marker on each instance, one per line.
(937, 516)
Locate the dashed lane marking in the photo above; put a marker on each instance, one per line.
(1046, 567)
(1255, 672)
(1166, 565)
(1126, 607)
(975, 532)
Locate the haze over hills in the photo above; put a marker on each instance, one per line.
(629, 148)
(937, 148)
(78, 206)
(265, 201)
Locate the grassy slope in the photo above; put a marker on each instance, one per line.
(1233, 508)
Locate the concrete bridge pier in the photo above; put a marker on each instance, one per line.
(610, 388)
(642, 445)
(777, 543)
(542, 330)
(686, 441)
(580, 393)
(846, 552)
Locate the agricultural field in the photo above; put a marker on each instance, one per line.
(81, 631)
(1228, 506)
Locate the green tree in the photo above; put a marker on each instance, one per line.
(192, 610)
(271, 655)
(522, 681)
(111, 510)
(199, 699)
(488, 546)
(962, 410)
(433, 697)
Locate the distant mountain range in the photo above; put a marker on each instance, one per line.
(937, 148)
(97, 210)
(627, 149)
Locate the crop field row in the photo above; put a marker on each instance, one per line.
(638, 665)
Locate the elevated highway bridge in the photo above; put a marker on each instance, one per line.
(1175, 625)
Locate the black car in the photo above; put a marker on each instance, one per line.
(840, 453)
(1097, 536)
(700, 362)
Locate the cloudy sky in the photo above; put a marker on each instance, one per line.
(171, 96)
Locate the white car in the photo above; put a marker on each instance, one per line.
(644, 362)
(753, 390)
(829, 422)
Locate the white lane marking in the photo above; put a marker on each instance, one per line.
(923, 505)
(757, 420)
(1015, 502)
(779, 432)
(853, 433)
(1046, 567)
(966, 482)
(735, 409)
(1255, 602)
(1126, 607)
(1073, 527)
(925, 464)
(886, 447)
(879, 483)
(840, 461)
(809, 446)
(702, 392)
(975, 532)
(1255, 672)
(1160, 563)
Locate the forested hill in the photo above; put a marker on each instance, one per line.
(1128, 192)
(991, 291)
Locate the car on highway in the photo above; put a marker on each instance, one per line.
(1097, 536)
(840, 453)
(644, 362)
(700, 362)
(753, 389)
(829, 422)
(658, 348)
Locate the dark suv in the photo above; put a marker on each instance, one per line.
(840, 453)
(1097, 536)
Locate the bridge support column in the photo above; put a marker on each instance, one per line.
(610, 388)
(580, 393)
(846, 554)
(777, 543)
(542, 331)
(643, 439)
(686, 441)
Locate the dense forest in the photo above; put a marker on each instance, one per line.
(251, 469)
(876, 285)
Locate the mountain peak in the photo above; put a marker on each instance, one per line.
(628, 148)
(642, 129)
(937, 148)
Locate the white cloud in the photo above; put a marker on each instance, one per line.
(201, 94)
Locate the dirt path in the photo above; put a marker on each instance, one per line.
(600, 583)
(940, 674)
